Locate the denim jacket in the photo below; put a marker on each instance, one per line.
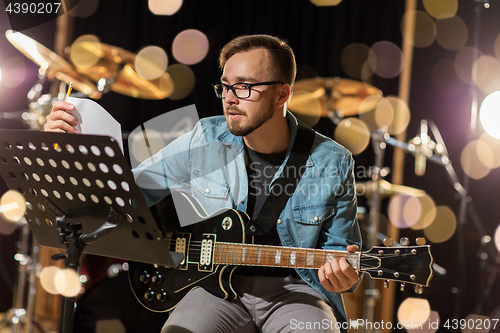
(209, 164)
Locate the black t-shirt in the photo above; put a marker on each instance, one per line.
(261, 169)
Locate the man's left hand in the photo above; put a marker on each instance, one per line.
(338, 275)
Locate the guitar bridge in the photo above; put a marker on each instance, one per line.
(207, 253)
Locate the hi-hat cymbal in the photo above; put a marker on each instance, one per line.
(51, 63)
(311, 96)
(117, 65)
(387, 189)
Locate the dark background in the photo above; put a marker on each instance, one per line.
(317, 35)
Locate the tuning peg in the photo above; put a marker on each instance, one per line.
(421, 241)
(419, 289)
(388, 242)
(386, 284)
(149, 295)
(402, 287)
(144, 278)
(404, 241)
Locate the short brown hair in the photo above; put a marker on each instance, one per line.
(281, 54)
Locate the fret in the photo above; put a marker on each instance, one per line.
(277, 256)
(266, 257)
(285, 262)
(309, 258)
(234, 251)
(293, 258)
(301, 258)
(259, 255)
(243, 254)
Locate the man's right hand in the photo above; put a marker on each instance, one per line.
(60, 118)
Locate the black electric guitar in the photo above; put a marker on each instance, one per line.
(216, 246)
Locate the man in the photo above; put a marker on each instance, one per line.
(234, 162)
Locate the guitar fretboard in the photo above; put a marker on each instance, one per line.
(277, 256)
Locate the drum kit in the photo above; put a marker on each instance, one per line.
(334, 98)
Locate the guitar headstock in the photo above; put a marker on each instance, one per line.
(405, 264)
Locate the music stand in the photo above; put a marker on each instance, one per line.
(78, 189)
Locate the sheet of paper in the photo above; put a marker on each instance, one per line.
(94, 119)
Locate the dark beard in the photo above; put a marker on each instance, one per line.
(245, 129)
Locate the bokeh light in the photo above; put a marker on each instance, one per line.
(7, 228)
(393, 114)
(47, 279)
(413, 310)
(430, 326)
(67, 282)
(445, 80)
(425, 29)
(486, 72)
(84, 9)
(496, 47)
(471, 324)
(190, 47)
(443, 227)
(464, 63)
(14, 72)
(85, 51)
(354, 134)
(385, 59)
(162, 7)
(441, 9)
(489, 114)
(452, 33)
(477, 159)
(497, 238)
(321, 3)
(0, 75)
(494, 144)
(184, 80)
(404, 211)
(151, 62)
(12, 206)
(428, 213)
(305, 103)
(352, 59)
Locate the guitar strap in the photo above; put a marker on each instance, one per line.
(286, 183)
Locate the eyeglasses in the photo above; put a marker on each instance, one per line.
(240, 90)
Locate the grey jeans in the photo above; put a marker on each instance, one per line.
(265, 304)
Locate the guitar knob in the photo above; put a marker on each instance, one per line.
(404, 241)
(149, 295)
(162, 296)
(158, 278)
(144, 278)
(388, 242)
(421, 241)
(402, 287)
(386, 284)
(419, 289)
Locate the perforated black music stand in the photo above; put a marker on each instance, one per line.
(78, 189)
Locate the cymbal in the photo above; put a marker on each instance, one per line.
(387, 189)
(117, 65)
(51, 63)
(310, 96)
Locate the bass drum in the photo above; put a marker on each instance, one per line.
(110, 307)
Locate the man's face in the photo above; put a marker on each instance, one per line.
(243, 116)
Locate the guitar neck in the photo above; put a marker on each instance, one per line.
(277, 256)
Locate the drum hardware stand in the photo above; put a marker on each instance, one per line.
(20, 317)
(47, 167)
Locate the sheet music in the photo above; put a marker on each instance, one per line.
(94, 119)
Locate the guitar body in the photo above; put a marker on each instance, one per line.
(216, 245)
(161, 288)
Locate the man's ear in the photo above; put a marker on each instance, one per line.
(285, 94)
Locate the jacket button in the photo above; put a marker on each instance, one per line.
(279, 221)
(316, 218)
(308, 279)
(207, 190)
(242, 202)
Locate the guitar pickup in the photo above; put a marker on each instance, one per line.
(181, 245)
(207, 253)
